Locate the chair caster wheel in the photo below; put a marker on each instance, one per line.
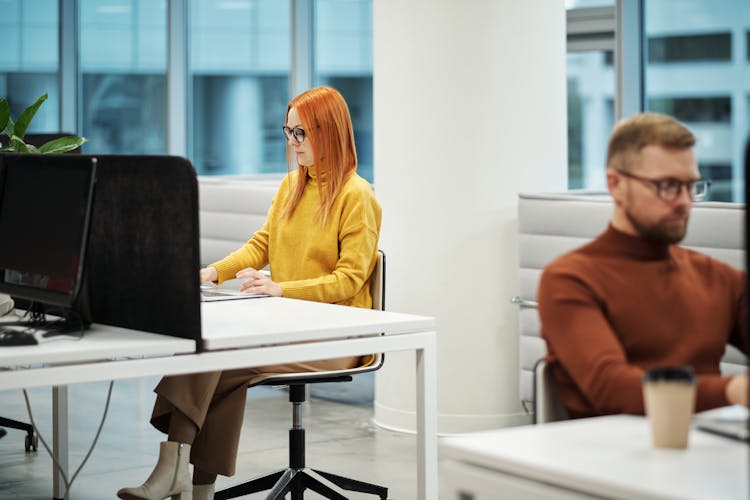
(31, 442)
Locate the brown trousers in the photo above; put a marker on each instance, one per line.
(215, 403)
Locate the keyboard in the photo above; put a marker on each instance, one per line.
(11, 337)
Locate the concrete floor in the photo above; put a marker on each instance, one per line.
(341, 438)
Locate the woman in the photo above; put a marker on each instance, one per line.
(320, 239)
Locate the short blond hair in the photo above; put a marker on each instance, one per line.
(633, 134)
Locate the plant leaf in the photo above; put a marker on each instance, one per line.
(17, 144)
(32, 148)
(26, 116)
(62, 145)
(9, 127)
(4, 113)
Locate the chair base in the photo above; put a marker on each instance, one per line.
(32, 440)
(296, 481)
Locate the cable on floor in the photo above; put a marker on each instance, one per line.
(69, 484)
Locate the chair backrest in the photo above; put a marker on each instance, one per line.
(547, 404)
(377, 289)
(377, 283)
(231, 210)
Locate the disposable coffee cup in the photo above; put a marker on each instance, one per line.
(669, 398)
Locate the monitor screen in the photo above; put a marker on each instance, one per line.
(45, 207)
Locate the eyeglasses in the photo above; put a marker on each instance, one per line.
(669, 189)
(297, 132)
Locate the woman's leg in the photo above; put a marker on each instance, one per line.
(216, 445)
(181, 428)
(203, 477)
(206, 410)
(171, 475)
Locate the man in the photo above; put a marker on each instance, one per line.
(632, 298)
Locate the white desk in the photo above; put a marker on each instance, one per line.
(250, 333)
(599, 457)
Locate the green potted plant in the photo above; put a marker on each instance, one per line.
(16, 130)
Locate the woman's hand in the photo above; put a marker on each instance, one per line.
(737, 390)
(209, 274)
(257, 282)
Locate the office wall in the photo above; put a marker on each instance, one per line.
(469, 109)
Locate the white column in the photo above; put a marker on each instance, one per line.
(469, 110)
(238, 129)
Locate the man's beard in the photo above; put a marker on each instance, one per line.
(660, 232)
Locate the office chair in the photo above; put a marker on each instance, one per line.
(547, 404)
(296, 478)
(32, 440)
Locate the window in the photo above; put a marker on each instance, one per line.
(343, 56)
(239, 66)
(721, 180)
(590, 118)
(712, 47)
(123, 54)
(694, 109)
(238, 76)
(700, 85)
(28, 59)
(591, 91)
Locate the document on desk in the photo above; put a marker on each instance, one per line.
(730, 421)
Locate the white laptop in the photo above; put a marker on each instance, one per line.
(729, 421)
(215, 294)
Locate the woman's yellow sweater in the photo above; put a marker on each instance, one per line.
(330, 263)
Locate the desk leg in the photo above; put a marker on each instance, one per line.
(59, 437)
(427, 421)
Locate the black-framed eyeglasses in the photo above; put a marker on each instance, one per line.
(669, 189)
(297, 132)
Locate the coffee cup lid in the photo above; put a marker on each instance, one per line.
(670, 374)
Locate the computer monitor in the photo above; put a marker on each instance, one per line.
(45, 211)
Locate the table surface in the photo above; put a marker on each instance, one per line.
(275, 320)
(610, 456)
(226, 324)
(239, 333)
(98, 342)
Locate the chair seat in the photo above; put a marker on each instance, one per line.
(373, 363)
(306, 379)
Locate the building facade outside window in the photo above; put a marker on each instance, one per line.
(123, 65)
(697, 69)
(591, 115)
(590, 88)
(239, 55)
(29, 59)
(343, 59)
(239, 69)
(696, 66)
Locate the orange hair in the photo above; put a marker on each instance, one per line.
(328, 126)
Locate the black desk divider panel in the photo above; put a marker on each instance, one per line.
(143, 257)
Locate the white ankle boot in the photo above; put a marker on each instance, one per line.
(203, 491)
(170, 477)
